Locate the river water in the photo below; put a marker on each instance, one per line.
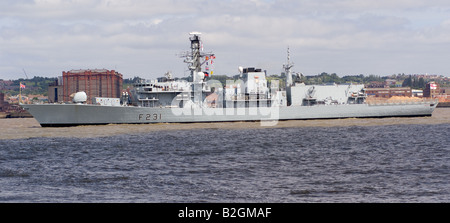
(346, 160)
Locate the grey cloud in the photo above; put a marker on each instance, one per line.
(142, 37)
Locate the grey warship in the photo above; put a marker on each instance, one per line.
(250, 98)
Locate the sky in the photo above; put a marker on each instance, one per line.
(145, 38)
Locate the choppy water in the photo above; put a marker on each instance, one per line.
(383, 162)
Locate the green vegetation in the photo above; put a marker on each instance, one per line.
(222, 78)
(39, 85)
(395, 80)
(34, 86)
(130, 81)
(414, 82)
(325, 78)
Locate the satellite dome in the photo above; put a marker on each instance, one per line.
(80, 97)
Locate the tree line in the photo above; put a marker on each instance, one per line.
(34, 86)
(39, 85)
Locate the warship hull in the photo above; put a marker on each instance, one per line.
(63, 115)
(250, 98)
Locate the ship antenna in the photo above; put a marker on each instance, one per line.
(193, 58)
(287, 68)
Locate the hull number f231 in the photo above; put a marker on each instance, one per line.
(150, 117)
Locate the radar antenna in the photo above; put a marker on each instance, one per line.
(195, 56)
(287, 68)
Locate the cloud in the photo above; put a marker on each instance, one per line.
(139, 37)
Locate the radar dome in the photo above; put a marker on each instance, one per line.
(80, 97)
(200, 76)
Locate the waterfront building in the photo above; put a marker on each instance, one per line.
(96, 83)
(389, 92)
(432, 90)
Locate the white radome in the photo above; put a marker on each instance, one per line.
(80, 97)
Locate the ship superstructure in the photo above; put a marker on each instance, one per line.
(201, 99)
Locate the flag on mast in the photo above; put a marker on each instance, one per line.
(433, 86)
(22, 86)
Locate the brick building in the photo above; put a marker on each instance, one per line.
(432, 90)
(389, 92)
(445, 91)
(96, 83)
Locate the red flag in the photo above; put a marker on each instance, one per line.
(433, 86)
(22, 86)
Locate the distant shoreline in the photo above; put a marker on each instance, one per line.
(444, 105)
(4, 115)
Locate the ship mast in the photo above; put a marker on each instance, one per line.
(193, 58)
(287, 68)
(195, 55)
